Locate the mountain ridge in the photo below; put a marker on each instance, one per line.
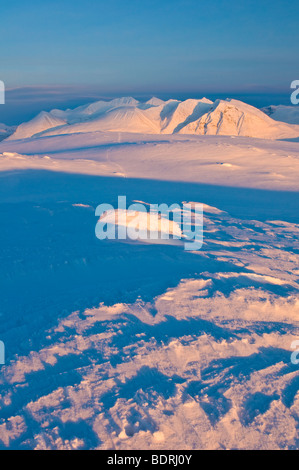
(155, 116)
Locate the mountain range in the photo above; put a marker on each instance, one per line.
(192, 116)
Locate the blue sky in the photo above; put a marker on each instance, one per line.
(150, 46)
(144, 45)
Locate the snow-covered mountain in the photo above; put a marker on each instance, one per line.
(192, 116)
(233, 117)
(40, 123)
(288, 114)
(5, 131)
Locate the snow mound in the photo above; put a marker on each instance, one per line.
(140, 224)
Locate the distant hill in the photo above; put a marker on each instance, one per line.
(288, 114)
(6, 131)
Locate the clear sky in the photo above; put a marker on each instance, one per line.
(150, 45)
(62, 53)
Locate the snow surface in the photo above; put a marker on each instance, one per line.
(117, 345)
(221, 160)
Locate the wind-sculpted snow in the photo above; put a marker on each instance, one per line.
(116, 345)
(192, 116)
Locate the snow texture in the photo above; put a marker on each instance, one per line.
(117, 345)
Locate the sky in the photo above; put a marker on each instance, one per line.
(148, 47)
